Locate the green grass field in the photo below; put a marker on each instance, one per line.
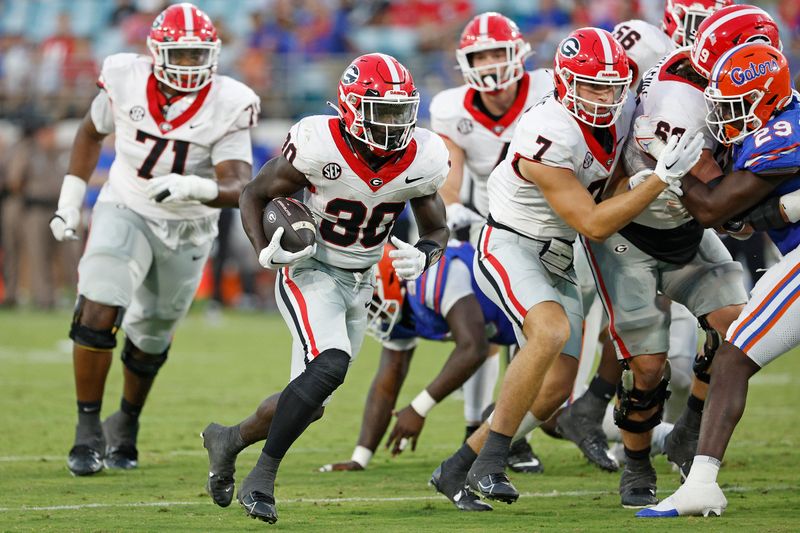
(220, 373)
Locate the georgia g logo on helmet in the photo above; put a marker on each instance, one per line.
(570, 47)
(350, 75)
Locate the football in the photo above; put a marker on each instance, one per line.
(296, 219)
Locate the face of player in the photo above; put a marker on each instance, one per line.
(390, 123)
(598, 94)
(188, 57)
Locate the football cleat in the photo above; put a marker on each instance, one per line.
(120, 431)
(522, 459)
(637, 485)
(681, 444)
(691, 499)
(494, 486)
(463, 498)
(221, 464)
(259, 505)
(582, 423)
(83, 460)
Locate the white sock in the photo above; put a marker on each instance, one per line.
(704, 469)
(362, 456)
(528, 424)
(479, 389)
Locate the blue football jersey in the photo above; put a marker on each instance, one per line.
(422, 315)
(775, 150)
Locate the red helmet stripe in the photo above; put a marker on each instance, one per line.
(711, 30)
(188, 19)
(393, 71)
(608, 56)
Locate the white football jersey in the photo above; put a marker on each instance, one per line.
(200, 129)
(549, 134)
(484, 140)
(644, 44)
(675, 106)
(354, 206)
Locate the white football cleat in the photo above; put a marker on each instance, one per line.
(691, 499)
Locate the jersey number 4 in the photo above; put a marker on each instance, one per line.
(181, 149)
(349, 225)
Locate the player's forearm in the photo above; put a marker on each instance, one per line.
(85, 151)
(251, 207)
(698, 200)
(232, 176)
(382, 397)
(613, 214)
(465, 359)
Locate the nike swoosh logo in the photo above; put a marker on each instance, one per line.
(228, 489)
(670, 166)
(409, 180)
(193, 126)
(196, 258)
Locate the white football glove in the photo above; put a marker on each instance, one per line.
(182, 188)
(459, 216)
(274, 257)
(645, 136)
(408, 261)
(67, 217)
(641, 176)
(678, 158)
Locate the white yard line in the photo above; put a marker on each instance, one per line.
(317, 501)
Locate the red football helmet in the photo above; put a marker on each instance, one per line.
(592, 56)
(748, 84)
(184, 46)
(728, 27)
(683, 17)
(492, 31)
(378, 102)
(387, 300)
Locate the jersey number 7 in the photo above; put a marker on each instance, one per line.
(181, 149)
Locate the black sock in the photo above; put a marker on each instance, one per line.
(129, 409)
(637, 455)
(89, 430)
(601, 388)
(493, 455)
(89, 408)
(293, 414)
(462, 459)
(262, 477)
(695, 404)
(470, 430)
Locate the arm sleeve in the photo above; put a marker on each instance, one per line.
(102, 114)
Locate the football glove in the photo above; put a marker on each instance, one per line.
(182, 188)
(274, 257)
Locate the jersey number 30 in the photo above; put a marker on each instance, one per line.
(349, 225)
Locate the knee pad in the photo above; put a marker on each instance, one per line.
(142, 364)
(322, 376)
(91, 338)
(703, 361)
(633, 399)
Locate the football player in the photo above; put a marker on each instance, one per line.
(751, 106)
(442, 304)
(183, 151)
(477, 121)
(664, 250)
(357, 171)
(563, 151)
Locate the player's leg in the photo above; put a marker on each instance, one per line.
(766, 328)
(150, 323)
(479, 390)
(381, 400)
(117, 257)
(327, 312)
(712, 288)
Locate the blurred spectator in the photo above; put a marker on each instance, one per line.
(136, 26)
(123, 10)
(36, 165)
(11, 229)
(15, 65)
(54, 54)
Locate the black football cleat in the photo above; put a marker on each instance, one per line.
(259, 505)
(681, 444)
(120, 431)
(494, 486)
(221, 464)
(637, 485)
(522, 459)
(581, 422)
(83, 460)
(463, 498)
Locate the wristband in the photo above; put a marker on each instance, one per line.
(362, 456)
(433, 252)
(423, 403)
(73, 189)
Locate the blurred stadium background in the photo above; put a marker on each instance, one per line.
(291, 52)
